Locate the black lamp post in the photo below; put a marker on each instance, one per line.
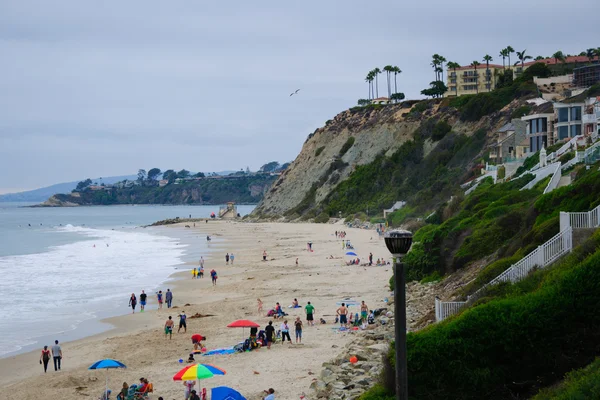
(398, 243)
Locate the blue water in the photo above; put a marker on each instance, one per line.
(61, 267)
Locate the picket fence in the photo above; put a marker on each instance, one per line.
(544, 255)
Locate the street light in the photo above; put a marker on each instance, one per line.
(398, 243)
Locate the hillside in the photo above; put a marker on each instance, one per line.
(240, 189)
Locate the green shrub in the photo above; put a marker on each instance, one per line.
(529, 163)
(319, 151)
(501, 172)
(322, 218)
(440, 130)
(420, 107)
(377, 392)
(349, 143)
(566, 157)
(579, 384)
(520, 111)
(435, 276)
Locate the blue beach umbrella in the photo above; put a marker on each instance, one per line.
(107, 364)
(351, 253)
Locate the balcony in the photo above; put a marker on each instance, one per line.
(589, 118)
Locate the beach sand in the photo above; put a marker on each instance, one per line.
(138, 340)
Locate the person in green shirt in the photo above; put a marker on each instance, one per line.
(310, 311)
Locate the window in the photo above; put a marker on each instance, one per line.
(563, 114)
(575, 130)
(563, 132)
(453, 80)
(533, 126)
(453, 88)
(575, 113)
(469, 87)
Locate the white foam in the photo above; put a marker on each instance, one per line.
(55, 291)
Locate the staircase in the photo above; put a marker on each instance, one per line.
(544, 255)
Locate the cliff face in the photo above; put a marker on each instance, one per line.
(319, 168)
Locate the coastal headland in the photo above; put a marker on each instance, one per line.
(138, 340)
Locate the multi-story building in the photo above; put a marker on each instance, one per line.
(471, 80)
(569, 122)
(591, 117)
(540, 129)
(511, 143)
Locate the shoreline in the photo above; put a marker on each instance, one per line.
(138, 340)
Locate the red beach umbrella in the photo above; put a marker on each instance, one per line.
(243, 323)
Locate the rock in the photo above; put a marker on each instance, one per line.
(379, 347)
(326, 372)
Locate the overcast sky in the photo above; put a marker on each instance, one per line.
(90, 89)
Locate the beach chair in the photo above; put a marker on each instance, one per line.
(146, 393)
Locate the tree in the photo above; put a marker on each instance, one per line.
(522, 56)
(199, 175)
(590, 54)
(436, 89)
(364, 102)
(83, 184)
(270, 167)
(436, 63)
(388, 71)
(376, 73)
(369, 80)
(487, 58)
(475, 64)
(396, 72)
(152, 175)
(504, 53)
(141, 176)
(441, 60)
(183, 174)
(284, 166)
(170, 175)
(397, 97)
(597, 51)
(539, 58)
(558, 56)
(509, 51)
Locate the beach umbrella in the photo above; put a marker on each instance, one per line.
(351, 253)
(243, 323)
(107, 364)
(198, 372)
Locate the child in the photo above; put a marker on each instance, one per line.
(260, 306)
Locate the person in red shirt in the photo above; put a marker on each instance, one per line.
(45, 358)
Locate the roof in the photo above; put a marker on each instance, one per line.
(508, 127)
(568, 60)
(381, 99)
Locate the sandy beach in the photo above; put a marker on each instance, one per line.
(138, 340)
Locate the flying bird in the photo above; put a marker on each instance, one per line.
(297, 90)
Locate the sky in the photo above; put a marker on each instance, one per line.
(91, 89)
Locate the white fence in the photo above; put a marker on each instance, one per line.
(554, 181)
(544, 255)
(581, 220)
(541, 174)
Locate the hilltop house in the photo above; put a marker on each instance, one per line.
(380, 100)
(511, 142)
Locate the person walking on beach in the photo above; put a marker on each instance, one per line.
(143, 301)
(213, 275)
(194, 274)
(201, 272)
(298, 326)
(159, 296)
(169, 328)
(370, 259)
(182, 322)
(269, 331)
(231, 257)
(56, 355)
(285, 332)
(343, 314)
(169, 298)
(45, 358)
(310, 311)
(260, 306)
(132, 302)
(264, 255)
(201, 262)
(227, 259)
(364, 312)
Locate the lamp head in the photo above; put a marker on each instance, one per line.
(398, 241)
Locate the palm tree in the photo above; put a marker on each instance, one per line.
(504, 54)
(522, 57)
(539, 58)
(487, 58)
(376, 72)
(388, 71)
(441, 60)
(475, 64)
(369, 80)
(453, 66)
(590, 54)
(509, 50)
(396, 72)
(434, 64)
(558, 56)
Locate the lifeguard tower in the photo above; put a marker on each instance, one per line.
(229, 211)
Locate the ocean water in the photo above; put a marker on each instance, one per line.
(63, 269)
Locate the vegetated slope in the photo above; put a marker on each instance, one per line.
(244, 189)
(370, 157)
(580, 384)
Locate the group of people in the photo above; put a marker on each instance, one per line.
(228, 258)
(168, 298)
(340, 235)
(55, 352)
(343, 313)
(169, 324)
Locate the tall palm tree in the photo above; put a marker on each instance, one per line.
(487, 58)
(376, 72)
(453, 66)
(396, 72)
(388, 72)
(368, 80)
(522, 56)
(441, 60)
(435, 62)
(504, 54)
(475, 64)
(509, 51)
(558, 56)
(590, 54)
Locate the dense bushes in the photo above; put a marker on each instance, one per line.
(319, 151)
(440, 130)
(580, 384)
(349, 143)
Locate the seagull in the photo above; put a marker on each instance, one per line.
(297, 90)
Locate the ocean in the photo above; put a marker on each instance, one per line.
(61, 267)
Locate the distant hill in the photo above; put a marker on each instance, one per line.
(42, 194)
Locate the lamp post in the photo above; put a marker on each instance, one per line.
(398, 243)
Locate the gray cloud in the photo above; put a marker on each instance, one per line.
(105, 88)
